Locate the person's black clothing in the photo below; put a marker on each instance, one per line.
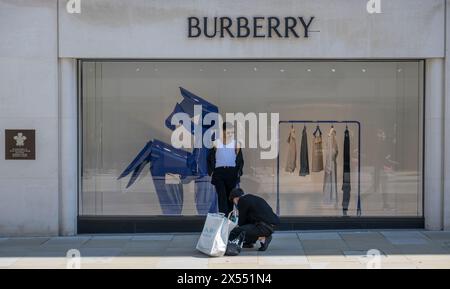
(256, 219)
(265, 244)
(346, 186)
(304, 155)
(212, 162)
(252, 232)
(253, 210)
(224, 180)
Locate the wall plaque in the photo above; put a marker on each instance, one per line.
(20, 144)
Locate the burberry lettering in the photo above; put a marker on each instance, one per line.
(245, 27)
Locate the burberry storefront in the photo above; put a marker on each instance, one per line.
(353, 100)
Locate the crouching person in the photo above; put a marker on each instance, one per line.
(256, 219)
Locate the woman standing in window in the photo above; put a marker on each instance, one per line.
(225, 164)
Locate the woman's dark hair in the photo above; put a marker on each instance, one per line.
(227, 125)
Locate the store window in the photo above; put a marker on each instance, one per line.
(375, 171)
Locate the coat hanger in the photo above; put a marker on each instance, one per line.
(317, 131)
(292, 129)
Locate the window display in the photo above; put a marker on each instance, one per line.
(350, 136)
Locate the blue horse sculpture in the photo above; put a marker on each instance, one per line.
(164, 160)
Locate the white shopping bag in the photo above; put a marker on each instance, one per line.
(214, 238)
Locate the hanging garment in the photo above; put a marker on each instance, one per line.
(346, 186)
(330, 176)
(317, 153)
(291, 161)
(304, 156)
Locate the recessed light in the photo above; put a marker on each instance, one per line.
(309, 70)
(364, 70)
(333, 70)
(225, 70)
(255, 69)
(399, 70)
(281, 70)
(138, 69)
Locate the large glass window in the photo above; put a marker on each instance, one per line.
(125, 106)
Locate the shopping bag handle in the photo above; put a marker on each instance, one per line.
(224, 216)
(232, 212)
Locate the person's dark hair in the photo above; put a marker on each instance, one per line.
(227, 125)
(236, 193)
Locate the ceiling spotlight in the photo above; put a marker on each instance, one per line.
(281, 70)
(333, 70)
(364, 70)
(138, 69)
(255, 69)
(309, 70)
(399, 70)
(225, 70)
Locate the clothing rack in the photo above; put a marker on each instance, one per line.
(292, 122)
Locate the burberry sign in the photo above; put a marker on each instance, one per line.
(250, 27)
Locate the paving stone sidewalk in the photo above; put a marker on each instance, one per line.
(301, 250)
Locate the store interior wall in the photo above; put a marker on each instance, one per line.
(125, 105)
